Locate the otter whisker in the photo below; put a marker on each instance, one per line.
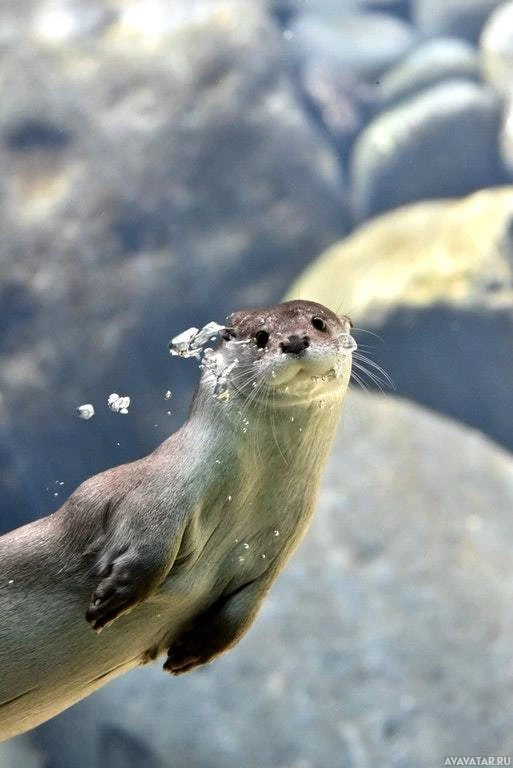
(359, 381)
(386, 378)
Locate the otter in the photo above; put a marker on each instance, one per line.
(174, 553)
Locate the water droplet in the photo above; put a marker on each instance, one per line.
(263, 557)
(11, 581)
(276, 533)
(236, 541)
(245, 545)
(228, 498)
(155, 425)
(56, 493)
(300, 429)
(168, 395)
(168, 413)
(118, 444)
(292, 418)
(218, 461)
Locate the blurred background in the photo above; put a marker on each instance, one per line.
(164, 162)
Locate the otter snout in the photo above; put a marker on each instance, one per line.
(295, 344)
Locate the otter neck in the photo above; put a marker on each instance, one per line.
(286, 433)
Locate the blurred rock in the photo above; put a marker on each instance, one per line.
(441, 143)
(401, 8)
(435, 282)
(339, 101)
(497, 49)
(458, 18)
(506, 139)
(150, 180)
(364, 43)
(431, 63)
(386, 641)
(328, 9)
(21, 753)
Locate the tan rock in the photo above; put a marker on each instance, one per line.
(434, 280)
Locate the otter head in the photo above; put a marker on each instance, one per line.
(298, 350)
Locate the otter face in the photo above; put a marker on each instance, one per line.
(298, 348)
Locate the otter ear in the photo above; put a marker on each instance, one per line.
(345, 319)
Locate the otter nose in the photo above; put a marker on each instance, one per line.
(295, 344)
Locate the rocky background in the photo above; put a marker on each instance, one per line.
(163, 162)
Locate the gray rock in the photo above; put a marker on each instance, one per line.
(429, 64)
(497, 49)
(458, 18)
(338, 100)
(441, 143)
(401, 8)
(506, 139)
(387, 640)
(327, 9)
(21, 753)
(434, 281)
(362, 43)
(150, 179)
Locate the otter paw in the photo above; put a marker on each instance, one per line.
(185, 655)
(122, 586)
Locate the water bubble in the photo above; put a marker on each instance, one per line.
(168, 413)
(292, 418)
(11, 581)
(245, 545)
(228, 498)
(168, 395)
(276, 532)
(85, 411)
(118, 403)
(263, 557)
(189, 342)
(56, 493)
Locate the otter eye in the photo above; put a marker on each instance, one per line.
(319, 323)
(261, 338)
(228, 334)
